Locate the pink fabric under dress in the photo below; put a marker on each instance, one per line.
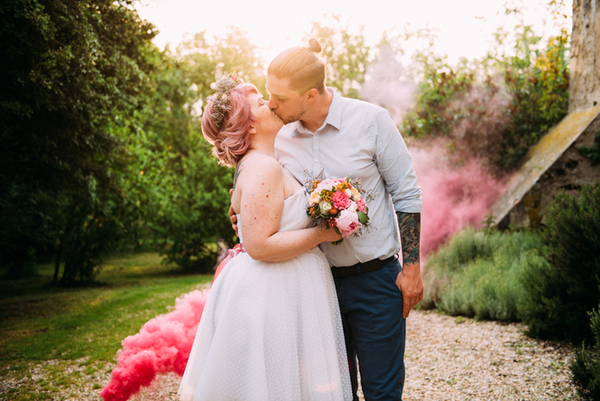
(270, 330)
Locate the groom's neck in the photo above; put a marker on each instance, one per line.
(317, 112)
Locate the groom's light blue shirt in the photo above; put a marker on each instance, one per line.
(358, 140)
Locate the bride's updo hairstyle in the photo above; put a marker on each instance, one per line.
(227, 120)
(302, 66)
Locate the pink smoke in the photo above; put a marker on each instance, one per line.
(453, 197)
(163, 345)
(477, 118)
(389, 84)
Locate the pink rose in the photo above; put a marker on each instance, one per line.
(325, 184)
(362, 206)
(341, 200)
(347, 223)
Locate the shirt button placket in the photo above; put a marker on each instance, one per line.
(316, 155)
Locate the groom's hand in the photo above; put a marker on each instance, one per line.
(409, 279)
(410, 283)
(232, 216)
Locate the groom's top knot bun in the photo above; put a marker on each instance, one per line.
(302, 66)
(314, 45)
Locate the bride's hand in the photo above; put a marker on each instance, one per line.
(232, 216)
(329, 235)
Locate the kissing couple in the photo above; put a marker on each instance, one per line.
(294, 316)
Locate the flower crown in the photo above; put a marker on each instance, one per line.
(220, 99)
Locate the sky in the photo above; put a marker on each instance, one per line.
(465, 27)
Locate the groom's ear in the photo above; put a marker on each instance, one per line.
(312, 94)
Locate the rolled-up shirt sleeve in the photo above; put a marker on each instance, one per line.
(395, 165)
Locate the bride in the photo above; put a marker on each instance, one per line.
(271, 327)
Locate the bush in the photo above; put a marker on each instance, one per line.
(479, 275)
(586, 366)
(179, 192)
(440, 85)
(592, 152)
(561, 293)
(192, 214)
(540, 90)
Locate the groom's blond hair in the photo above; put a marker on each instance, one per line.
(302, 66)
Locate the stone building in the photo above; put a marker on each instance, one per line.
(556, 162)
(584, 89)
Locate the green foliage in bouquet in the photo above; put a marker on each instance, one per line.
(561, 293)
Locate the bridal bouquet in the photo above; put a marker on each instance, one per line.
(337, 203)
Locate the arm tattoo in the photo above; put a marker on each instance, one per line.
(410, 235)
(238, 170)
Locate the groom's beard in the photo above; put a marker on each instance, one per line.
(292, 118)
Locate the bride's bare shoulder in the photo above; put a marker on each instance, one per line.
(256, 174)
(259, 159)
(258, 167)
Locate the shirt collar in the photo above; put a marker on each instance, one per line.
(334, 116)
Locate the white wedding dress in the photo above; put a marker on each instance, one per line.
(270, 330)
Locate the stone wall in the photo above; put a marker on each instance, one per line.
(584, 90)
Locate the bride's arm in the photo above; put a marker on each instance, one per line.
(261, 205)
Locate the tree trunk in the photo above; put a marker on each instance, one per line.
(57, 263)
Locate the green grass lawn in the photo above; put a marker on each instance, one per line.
(40, 323)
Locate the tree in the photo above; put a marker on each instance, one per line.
(188, 199)
(539, 82)
(346, 53)
(496, 108)
(181, 191)
(388, 82)
(208, 58)
(71, 70)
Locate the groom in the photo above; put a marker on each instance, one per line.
(351, 138)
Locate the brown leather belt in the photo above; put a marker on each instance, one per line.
(359, 268)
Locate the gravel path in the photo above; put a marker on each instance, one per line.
(447, 358)
(451, 358)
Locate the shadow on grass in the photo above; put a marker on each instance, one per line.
(120, 270)
(40, 321)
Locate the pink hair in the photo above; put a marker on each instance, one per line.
(233, 140)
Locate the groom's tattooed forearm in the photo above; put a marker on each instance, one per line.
(410, 235)
(238, 170)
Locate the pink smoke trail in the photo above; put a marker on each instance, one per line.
(163, 344)
(453, 197)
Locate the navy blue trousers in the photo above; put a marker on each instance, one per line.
(371, 307)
